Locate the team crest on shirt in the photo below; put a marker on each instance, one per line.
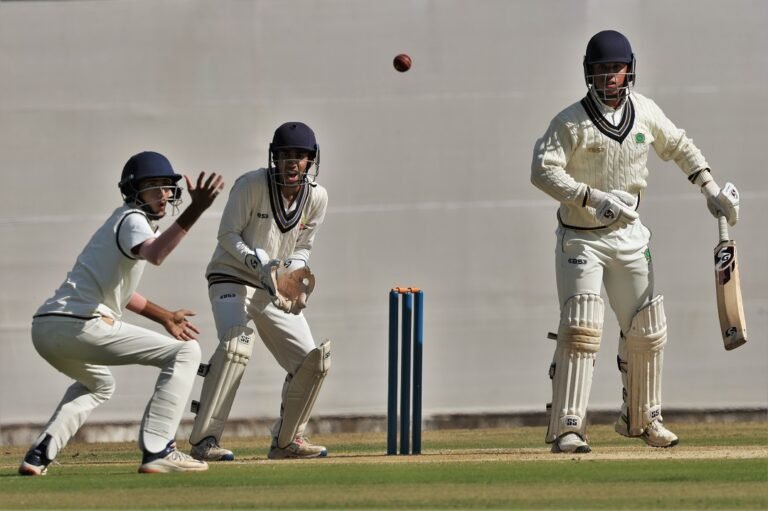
(640, 138)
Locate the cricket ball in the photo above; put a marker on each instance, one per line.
(402, 62)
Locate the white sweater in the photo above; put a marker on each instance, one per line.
(255, 217)
(582, 149)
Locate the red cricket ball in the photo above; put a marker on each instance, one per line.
(402, 62)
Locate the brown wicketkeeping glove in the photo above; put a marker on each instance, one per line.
(293, 289)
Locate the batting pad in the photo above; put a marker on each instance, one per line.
(302, 391)
(226, 370)
(578, 340)
(643, 350)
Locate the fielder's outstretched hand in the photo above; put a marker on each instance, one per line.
(203, 193)
(179, 326)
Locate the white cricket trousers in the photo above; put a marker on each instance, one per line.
(82, 349)
(286, 336)
(619, 259)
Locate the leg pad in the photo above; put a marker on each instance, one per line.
(641, 356)
(222, 379)
(302, 393)
(578, 341)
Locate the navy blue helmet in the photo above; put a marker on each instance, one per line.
(605, 47)
(143, 166)
(296, 135)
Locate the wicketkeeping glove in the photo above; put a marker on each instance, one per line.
(293, 288)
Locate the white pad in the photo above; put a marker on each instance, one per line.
(578, 340)
(641, 353)
(225, 372)
(302, 392)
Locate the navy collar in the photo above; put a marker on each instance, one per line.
(617, 133)
(285, 220)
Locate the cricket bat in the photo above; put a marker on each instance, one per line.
(728, 287)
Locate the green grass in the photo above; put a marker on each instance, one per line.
(716, 466)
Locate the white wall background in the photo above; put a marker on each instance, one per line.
(428, 176)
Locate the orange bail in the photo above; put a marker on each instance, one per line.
(404, 290)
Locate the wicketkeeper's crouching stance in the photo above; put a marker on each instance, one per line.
(592, 159)
(259, 273)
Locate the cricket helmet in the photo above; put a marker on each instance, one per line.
(296, 135)
(143, 166)
(605, 47)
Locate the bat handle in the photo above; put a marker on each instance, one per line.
(723, 224)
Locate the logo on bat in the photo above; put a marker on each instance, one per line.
(724, 264)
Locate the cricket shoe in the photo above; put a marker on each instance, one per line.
(571, 443)
(299, 448)
(170, 460)
(209, 450)
(35, 463)
(655, 434)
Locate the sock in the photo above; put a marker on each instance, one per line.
(152, 456)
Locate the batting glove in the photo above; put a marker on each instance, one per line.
(722, 202)
(613, 208)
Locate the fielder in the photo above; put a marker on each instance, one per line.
(80, 329)
(272, 215)
(592, 159)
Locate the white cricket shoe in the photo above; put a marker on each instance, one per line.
(571, 443)
(170, 460)
(299, 448)
(209, 450)
(655, 434)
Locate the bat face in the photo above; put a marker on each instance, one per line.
(729, 305)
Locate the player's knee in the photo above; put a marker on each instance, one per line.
(104, 388)
(186, 362)
(189, 353)
(324, 364)
(648, 330)
(581, 322)
(238, 343)
(316, 360)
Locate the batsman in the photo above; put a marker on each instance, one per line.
(259, 275)
(592, 160)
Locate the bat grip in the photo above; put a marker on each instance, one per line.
(723, 224)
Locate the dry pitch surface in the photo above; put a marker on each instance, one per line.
(705, 441)
(543, 454)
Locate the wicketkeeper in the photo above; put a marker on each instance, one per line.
(592, 159)
(259, 274)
